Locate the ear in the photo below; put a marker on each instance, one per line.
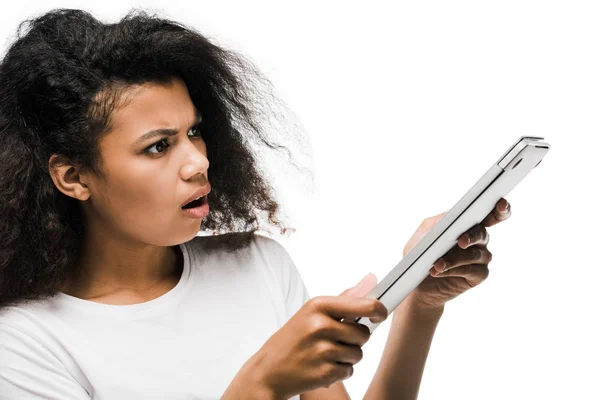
(67, 178)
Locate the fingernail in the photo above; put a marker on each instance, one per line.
(365, 278)
(440, 265)
(362, 281)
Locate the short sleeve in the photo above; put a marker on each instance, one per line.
(30, 371)
(294, 290)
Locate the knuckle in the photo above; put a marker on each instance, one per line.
(331, 372)
(317, 303)
(326, 350)
(469, 269)
(340, 372)
(475, 253)
(318, 324)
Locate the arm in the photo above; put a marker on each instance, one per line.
(247, 385)
(399, 373)
(337, 391)
(28, 370)
(415, 320)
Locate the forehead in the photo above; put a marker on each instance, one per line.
(150, 106)
(155, 102)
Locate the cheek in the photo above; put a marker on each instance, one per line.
(140, 204)
(139, 197)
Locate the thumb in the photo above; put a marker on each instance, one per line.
(363, 287)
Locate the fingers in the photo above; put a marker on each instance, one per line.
(500, 213)
(455, 258)
(347, 332)
(349, 307)
(350, 332)
(341, 352)
(473, 274)
(476, 235)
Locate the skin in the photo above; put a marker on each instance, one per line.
(133, 217)
(133, 224)
(303, 351)
(462, 268)
(414, 322)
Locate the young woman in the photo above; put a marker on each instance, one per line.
(107, 133)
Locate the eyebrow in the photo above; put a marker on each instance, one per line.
(165, 131)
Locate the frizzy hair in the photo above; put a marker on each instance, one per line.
(59, 83)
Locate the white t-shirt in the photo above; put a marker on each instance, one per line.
(186, 344)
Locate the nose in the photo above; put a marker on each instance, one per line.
(196, 162)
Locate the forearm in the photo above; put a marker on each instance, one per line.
(247, 385)
(399, 373)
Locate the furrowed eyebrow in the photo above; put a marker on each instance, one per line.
(165, 132)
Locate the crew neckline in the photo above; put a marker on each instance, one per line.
(129, 309)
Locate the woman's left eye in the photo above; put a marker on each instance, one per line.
(165, 143)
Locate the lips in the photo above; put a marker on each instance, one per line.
(199, 193)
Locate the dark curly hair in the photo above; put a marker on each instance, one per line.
(59, 84)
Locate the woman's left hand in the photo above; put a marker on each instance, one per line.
(462, 267)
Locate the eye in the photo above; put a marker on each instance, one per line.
(165, 144)
(197, 129)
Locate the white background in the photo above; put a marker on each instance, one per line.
(406, 106)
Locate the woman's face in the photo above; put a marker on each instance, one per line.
(148, 180)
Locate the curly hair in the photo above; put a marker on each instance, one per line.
(59, 84)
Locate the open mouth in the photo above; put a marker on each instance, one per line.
(195, 203)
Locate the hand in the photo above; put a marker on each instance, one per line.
(320, 343)
(462, 267)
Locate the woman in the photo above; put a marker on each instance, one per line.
(107, 292)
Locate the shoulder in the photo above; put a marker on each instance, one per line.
(269, 244)
(260, 252)
(19, 336)
(30, 361)
(272, 252)
(248, 245)
(24, 321)
(279, 262)
(13, 336)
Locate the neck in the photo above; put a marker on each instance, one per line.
(108, 266)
